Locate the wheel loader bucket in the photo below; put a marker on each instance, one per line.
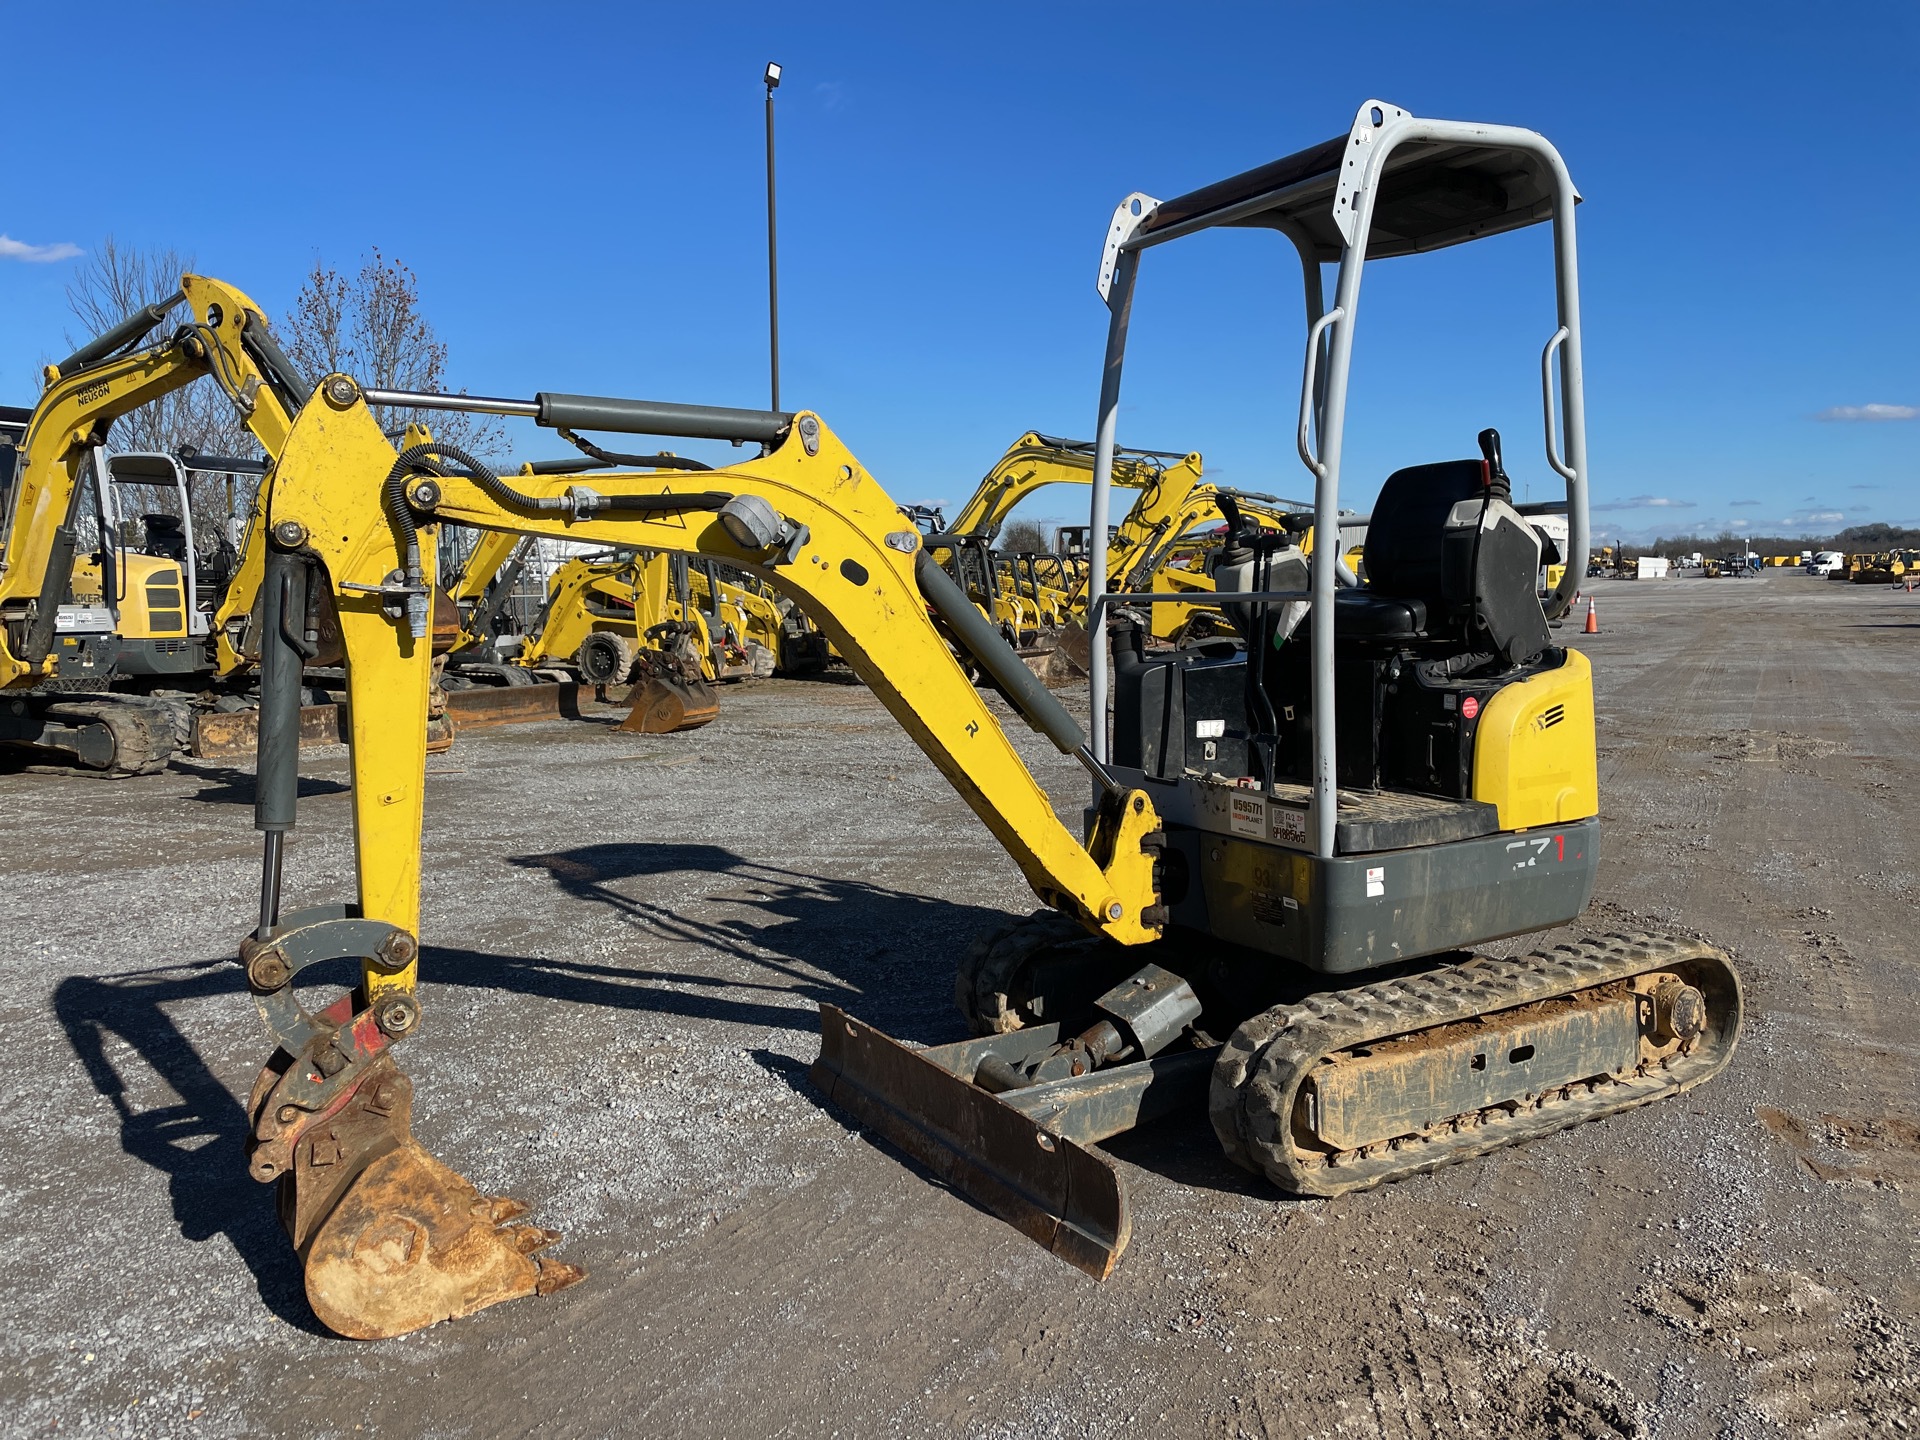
(663, 705)
(392, 1240)
(1065, 1195)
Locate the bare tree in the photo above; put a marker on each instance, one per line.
(116, 281)
(1024, 537)
(369, 325)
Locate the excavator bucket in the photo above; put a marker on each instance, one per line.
(1051, 1188)
(663, 704)
(392, 1240)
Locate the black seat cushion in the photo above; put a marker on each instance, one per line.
(1403, 537)
(1364, 615)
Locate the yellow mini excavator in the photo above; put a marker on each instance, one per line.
(628, 619)
(1026, 593)
(1296, 838)
(87, 634)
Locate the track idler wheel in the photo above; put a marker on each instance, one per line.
(391, 1238)
(664, 704)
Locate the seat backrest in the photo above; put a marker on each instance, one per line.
(1403, 536)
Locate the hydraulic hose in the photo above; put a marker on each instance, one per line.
(575, 503)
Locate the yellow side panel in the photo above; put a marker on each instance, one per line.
(1533, 755)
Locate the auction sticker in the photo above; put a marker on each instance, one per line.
(1376, 881)
(1249, 815)
(1288, 826)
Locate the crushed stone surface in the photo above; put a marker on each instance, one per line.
(627, 937)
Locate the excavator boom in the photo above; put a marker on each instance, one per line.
(393, 1239)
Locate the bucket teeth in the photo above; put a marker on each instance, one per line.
(556, 1275)
(528, 1239)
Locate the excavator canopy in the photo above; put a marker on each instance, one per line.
(1432, 195)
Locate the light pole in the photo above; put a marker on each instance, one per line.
(772, 78)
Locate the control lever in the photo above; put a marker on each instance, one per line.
(1497, 480)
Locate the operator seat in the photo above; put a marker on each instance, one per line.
(1451, 565)
(165, 536)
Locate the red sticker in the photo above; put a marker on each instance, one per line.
(1469, 707)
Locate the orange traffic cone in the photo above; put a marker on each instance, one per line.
(1593, 621)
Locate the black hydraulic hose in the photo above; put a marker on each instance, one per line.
(421, 460)
(417, 460)
(614, 457)
(663, 504)
(287, 378)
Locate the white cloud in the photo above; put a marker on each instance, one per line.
(12, 249)
(1815, 517)
(1740, 524)
(1646, 502)
(1870, 412)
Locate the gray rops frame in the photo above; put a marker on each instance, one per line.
(1394, 185)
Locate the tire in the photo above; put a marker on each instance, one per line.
(605, 658)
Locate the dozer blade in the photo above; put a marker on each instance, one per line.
(484, 707)
(1066, 1196)
(392, 1239)
(662, 706)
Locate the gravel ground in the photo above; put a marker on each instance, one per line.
(627, 937)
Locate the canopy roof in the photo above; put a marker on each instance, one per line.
(1431, 195)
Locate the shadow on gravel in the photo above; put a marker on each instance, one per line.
(198, 1143)
(227, 786)
(886, 954)
(1184, 1149)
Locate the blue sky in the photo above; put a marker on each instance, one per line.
(579, 188)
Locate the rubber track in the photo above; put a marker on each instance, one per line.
(143, 734)
(983, 985)
(1264, 1063)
